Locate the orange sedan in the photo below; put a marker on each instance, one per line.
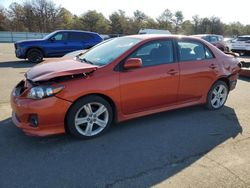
(120, 79)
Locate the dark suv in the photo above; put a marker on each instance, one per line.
(216, 40)
(56, 44)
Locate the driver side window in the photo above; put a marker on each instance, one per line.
(60, 37)
(155, 53)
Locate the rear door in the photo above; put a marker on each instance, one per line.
(153, 85)
(198, 70)
(80, 41)
(75, 41)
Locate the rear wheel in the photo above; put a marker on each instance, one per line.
(35, 55)
(217, 96)
(89, 117)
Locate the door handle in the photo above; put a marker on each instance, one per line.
(172, 72)
(212, 66)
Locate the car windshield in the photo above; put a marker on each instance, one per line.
(49, 35)
(108, 51)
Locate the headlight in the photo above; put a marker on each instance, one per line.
(41, 92)
(18, 45)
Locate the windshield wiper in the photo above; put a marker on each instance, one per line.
(87, 61)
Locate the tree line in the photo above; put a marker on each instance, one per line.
(46, 16)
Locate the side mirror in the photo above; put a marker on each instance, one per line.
(132, 63)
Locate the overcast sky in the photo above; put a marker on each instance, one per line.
(228, 11)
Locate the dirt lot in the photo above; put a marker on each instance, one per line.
(190, 147)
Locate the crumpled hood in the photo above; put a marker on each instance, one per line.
(52, 69)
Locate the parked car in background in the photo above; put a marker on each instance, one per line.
(216, 40)
(245, 69)
(228, 42)
(153, 31)
(241, 44)
(56, 44)
(121, 79)
(80, 52)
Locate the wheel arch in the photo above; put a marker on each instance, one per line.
(105, 97)
(226, 80)
(34, 47)
(222, 78)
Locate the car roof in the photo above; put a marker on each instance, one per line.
(158, 36)
(204, 35)
(76, 31)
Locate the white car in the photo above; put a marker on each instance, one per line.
(228, 41)
(241, 45)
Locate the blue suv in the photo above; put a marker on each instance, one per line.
(56, 44)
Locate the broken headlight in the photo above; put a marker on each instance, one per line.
(41, 92)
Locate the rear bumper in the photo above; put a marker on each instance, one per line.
(232, 84)
(233, 81)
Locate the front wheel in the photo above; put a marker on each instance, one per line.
(217, 96)
(35, 56)
(89, 117)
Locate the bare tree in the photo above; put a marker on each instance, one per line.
(165, 20)
(46, 13)
(15, 15)
(177, 20)
(2, 19)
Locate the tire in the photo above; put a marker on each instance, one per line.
(35, 56)
(217, 96)
(89, 117)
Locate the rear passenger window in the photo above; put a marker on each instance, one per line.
(208, 53)
(74, 36)
(86, 36)
(155, 53)
(193, 51)
(80, 36)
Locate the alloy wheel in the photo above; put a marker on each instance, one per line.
(219, 96)
(91, 119)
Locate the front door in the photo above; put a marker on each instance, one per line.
(155, 84)
(58, 45)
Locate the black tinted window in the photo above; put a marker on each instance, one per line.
(191, 50)
(80, 36)
(243, 38)
(85, 36)
(155, 53)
